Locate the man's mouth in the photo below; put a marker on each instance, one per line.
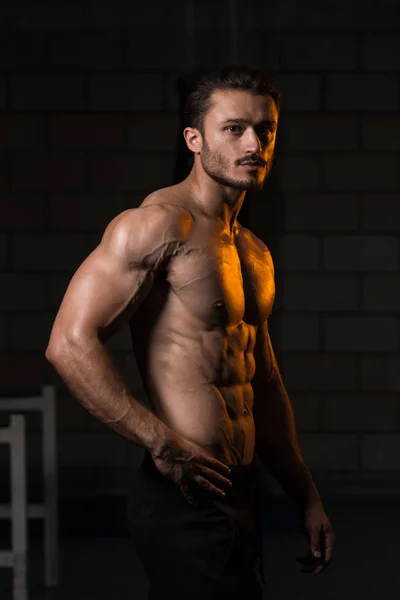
(253, 164)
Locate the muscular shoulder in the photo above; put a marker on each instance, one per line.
(255, 245)
(147, 235)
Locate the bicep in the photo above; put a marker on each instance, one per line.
(104, 290)
(111, 283)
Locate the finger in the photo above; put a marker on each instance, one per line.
(315, 568)
(308, 558)
(204, 483)
(216, 464)
(307, 569)
(219, 480)
(315, 547)
(310, 563)
(319, 569)
(329, 545)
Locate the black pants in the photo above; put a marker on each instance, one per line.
(211, 552)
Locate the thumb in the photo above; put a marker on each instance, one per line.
(315, 543)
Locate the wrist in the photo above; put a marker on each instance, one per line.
(311, 500)
(160, 437)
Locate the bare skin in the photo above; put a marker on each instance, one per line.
(196, 289)
(199, 361)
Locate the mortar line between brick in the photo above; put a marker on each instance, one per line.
(46, 211)
(46, 48)
(9, 332)
(398, 91)
(323, 90)
(9, 239)
(88, 170)
(359, 293)
(85, 13)
(8, 108)
(46, 289)
(359, 135)
(359, 50)
(321, 413)
(360, 439)
(322, 333)
(124, 49)
(86, 76)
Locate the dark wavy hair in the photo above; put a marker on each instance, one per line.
(247, 79)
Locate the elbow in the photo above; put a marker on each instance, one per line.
(54, 351)
(60, 354)
(53, 345)
(51, 353)
(48, 354)
(59, 347)
(62, 346)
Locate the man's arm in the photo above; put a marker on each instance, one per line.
(276, 439)
(102, 296)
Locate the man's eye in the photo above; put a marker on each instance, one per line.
(234, 128)
(264, 131)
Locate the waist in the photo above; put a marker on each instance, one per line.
(240, 475)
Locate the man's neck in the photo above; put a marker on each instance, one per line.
(217, 201)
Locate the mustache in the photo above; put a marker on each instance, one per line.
(253, 160)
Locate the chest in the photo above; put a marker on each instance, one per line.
(223, 282)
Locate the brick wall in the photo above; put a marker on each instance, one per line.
(335, 236)
(89, 125)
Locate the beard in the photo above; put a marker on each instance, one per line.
(216, 165)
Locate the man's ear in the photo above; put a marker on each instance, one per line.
(194, 139)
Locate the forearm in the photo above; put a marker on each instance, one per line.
(92, 378)
(277, 444)
(286, 464)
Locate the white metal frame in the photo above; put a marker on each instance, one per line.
(16, 558)
(48, 510)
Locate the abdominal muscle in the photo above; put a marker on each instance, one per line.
(202, 392)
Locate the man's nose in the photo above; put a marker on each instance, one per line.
(252, 142)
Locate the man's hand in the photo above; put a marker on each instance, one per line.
(184, 462)
(321, 540)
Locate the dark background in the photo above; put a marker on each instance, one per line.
(90, 97)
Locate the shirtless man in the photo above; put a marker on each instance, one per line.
(196, 289)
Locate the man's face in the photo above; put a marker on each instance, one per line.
(239, 128)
